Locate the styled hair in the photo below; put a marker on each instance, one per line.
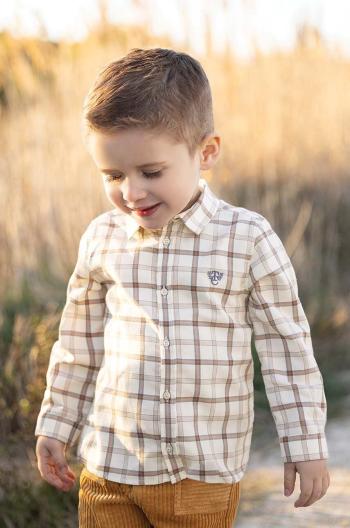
(157, 89)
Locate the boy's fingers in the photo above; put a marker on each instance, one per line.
(306, 488)
(324, 486)
(70, 474)
(316, 492)
(63, 473)
(62, 468)
(57, 478)
(55, 472)
(289, 479)
(48, 473)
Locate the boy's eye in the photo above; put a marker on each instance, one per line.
(152, 174)
(112, 177)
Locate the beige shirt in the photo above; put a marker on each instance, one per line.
(152, 372)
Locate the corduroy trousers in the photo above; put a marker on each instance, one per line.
(187, 503)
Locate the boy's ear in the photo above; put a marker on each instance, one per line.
(209, 151)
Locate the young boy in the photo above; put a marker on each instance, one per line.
(153, 371)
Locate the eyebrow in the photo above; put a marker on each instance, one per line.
(144, 166)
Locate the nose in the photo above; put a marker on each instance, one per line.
(132, 192)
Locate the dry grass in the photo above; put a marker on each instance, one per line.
(285, 126)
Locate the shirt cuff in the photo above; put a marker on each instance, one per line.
(304, 447)
(64, 429)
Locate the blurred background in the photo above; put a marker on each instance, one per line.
(280, 76)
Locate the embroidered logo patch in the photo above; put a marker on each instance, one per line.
(215, 276)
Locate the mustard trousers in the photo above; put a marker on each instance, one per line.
(188, 503)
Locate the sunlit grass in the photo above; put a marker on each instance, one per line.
(285, 126)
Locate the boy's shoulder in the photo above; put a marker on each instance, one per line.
(245, 217)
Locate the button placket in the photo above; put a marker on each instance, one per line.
(168, 425)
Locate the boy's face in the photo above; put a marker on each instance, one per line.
(170, 178)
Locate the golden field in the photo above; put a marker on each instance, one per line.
(284, 119)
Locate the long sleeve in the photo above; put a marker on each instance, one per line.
(76, 356)
(293, 382)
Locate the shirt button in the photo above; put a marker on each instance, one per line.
(166, 395)
(169, 449)
(166, 342)
(166, 241)
(164, 291)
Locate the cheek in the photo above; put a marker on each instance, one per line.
(114, 197)
(113, 194)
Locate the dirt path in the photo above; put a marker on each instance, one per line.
(262, 501)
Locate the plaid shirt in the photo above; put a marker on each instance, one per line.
(153, 371)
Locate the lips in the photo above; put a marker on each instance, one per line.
(147, 212)
(145, 208)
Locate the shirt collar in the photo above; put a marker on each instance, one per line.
(195, 218)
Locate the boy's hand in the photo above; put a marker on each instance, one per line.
(314, 480)
(52, 463)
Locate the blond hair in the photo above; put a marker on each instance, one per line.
(157, 89)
